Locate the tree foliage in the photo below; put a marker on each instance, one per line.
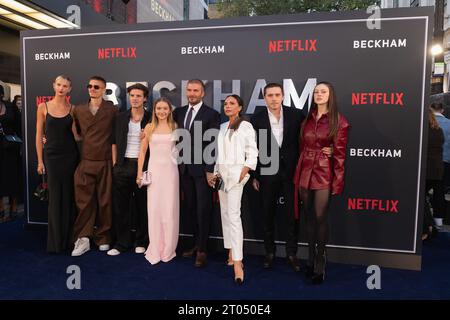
(233, 8)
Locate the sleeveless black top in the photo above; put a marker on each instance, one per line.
(59, 136)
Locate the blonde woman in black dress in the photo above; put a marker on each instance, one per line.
(58, 159)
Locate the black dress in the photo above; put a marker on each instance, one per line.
(61, 159)
(10, 161)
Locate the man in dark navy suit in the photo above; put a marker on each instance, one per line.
(195, 172)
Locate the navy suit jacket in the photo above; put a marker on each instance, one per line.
(209, 118)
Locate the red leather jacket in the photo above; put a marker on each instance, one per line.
(315, 170)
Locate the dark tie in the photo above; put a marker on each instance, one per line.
(189, 118)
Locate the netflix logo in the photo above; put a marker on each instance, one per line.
(41, 99)
(116, 53)
(382, 206)
(377, 98)
(294, 45)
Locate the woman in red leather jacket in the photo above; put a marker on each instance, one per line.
(318, 175)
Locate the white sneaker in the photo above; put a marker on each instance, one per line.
(113, 252)
(81, 246)
(103, 247)
(438, 222)
(139, 250)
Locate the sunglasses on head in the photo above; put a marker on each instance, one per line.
(90, 86)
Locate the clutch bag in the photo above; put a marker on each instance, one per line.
(146, 179)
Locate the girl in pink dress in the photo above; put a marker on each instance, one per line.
(163, 192)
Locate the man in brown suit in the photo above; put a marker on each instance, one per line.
(93, 176)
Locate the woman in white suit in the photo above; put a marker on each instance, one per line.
(236, 155)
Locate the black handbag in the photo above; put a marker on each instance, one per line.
(13, 138)
(41, 191)
(9, 140)
(219, 185)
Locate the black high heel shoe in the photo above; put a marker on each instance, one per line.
(237, 280)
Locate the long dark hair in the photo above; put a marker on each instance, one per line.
(235, 125)
(333, 114)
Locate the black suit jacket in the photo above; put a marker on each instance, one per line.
(120, 134)
(209, 119)
(289, 150)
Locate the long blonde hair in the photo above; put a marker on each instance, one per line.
(155, 121)
(432, 119)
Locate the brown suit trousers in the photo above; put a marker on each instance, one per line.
(93, 181)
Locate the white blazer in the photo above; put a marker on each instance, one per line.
(234, 151)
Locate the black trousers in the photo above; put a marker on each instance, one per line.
(271, 187)
(129, 207)
(438, 198)
(446, 176)
(197, 207)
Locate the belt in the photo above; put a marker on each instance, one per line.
(312, 152)
(130, 159)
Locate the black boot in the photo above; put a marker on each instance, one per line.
(309, 270)
(319, 267)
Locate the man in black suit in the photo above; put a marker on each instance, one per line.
(195, 172)
(277, 130)
(127, 134)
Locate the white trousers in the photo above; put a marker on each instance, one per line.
(230, 212)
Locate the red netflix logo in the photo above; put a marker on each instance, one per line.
(380, 98)
(40, 99)
(276, 46)
(361, 204)
(116, 53)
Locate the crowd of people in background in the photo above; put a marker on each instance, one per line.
(438, 171)
(11, 177)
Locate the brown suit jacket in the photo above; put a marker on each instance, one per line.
(96, 131)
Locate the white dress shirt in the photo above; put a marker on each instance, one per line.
(133, 139)
(276, 126)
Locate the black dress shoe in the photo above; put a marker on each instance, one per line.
(318, 278)
(189, 253)
(268, 260)
(294, 263)
(309, 271)
(200, 260)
